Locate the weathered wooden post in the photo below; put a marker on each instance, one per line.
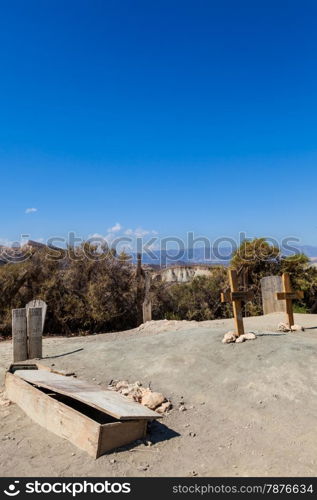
(34, 329)
(147, 304)
(19, 335)
(139, 289)
(288, 295)
(236, 298)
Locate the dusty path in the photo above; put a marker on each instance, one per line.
(251, 407)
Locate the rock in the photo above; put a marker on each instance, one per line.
(192, 434)
(152, 399)
(297, 328)
(249, 336)
(246, 336)
(164, 407)
(182, 408)
(122, 384)
(283, 327)
(135, 392)
(125, 392)
(229, 337)
(113, 461)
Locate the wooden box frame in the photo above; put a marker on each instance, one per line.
(70, 419)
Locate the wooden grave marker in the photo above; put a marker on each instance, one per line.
(38, 303)
(34, 330)
(147, 303)
(270, 285)
(289, 295)
(19, 335)
(236, 297)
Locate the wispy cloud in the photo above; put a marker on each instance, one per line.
(118, 234)
(116, 228)
(30, 210)
(139, 232)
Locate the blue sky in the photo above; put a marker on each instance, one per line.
(168, 116)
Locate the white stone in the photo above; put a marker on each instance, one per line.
(297, 328)
(153, 399)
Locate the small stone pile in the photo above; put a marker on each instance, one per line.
(232, 336)
(136, 392)
(284, 327)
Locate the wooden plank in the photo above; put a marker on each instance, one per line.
(34, 329)
(54, 415)
(226, 296)
(245, 296)
(38, 303)
(110, 402)
(289, 306)
(147, 304)
(19, 335)
(270, 285)
(237, 309)
(116, 434)
(290, 295)
(229, 296)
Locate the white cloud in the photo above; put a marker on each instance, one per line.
(30, 210)
(139, 232)
(116, 228)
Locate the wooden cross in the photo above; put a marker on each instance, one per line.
(236, 298)
(288, 295)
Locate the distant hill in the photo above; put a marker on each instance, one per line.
(164, 258)
(209, 256)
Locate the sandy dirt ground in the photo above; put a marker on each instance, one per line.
(251, 408)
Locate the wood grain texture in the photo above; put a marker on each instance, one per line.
(288, 295)
(34, 329)
(236, 304)
(287, 287)
(19, 335)
(118, 434)
(54, 415)
(270, 286)
(110, 402)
